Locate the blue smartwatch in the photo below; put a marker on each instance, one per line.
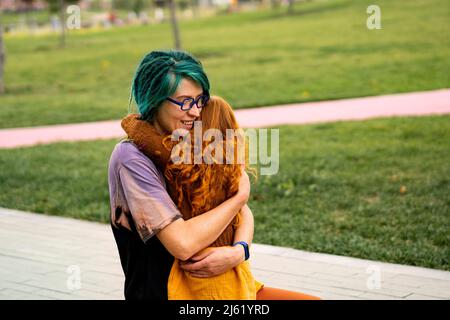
(245, 245)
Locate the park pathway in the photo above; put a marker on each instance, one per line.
(405, 104)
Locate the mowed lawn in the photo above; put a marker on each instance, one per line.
(323, 51)
(375, 189)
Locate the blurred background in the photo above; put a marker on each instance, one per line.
(375, 189)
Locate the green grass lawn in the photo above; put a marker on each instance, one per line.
(323, 51)
(339, 188)
(17, 20)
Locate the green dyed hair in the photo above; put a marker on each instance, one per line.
(158, 76)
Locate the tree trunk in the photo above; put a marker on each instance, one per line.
(194, 6)
(174, 22)
(62, 43)
(275, 4)
(2, 60)
(291, 6)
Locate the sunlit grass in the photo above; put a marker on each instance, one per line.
(323, 51)
(375, 189)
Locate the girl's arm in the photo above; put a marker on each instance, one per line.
(244, 231)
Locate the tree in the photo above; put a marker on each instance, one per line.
(135, 5)
(29, 5)
(138, 6)
(59, 6)
(174, 22)
(291, 6)
(2, 60)
(173, 19)
(194, 6)
(275, 4)
(62, 43)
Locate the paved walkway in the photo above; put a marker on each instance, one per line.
(406, 104)
(41, 256)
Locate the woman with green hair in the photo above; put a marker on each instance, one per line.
(158, 76)
(148, 227)
(170, 88)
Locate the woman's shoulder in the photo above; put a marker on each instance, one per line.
(126, 152)
(126, 146)
(127, 156)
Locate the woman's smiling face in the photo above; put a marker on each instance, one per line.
(170, 116)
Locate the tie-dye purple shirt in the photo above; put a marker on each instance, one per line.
(137, 189)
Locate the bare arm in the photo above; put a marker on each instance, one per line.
(244, 232)
(154, 212)
(184, 238)
(218, 260)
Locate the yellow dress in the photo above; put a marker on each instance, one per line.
(235, 284)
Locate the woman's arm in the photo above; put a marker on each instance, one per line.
(154, 213)
(184, 238)
(218, 260)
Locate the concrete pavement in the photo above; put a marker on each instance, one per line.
(49, 257)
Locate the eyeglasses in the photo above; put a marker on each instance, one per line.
(188, 103)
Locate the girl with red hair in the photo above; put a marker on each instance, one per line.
(199, 187)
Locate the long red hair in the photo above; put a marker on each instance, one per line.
(205, 186)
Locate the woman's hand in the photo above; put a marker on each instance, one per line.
(213, 261)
